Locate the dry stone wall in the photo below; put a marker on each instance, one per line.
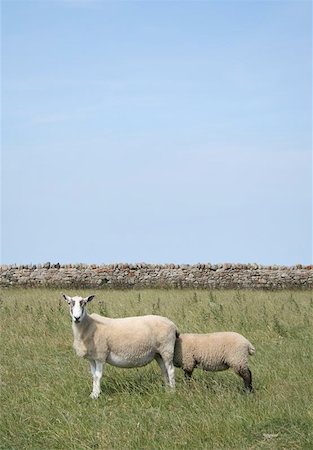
(213, 276)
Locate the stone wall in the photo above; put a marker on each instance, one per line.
(214, 276)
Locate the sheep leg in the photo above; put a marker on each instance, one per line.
(245, 374)
(92, 363)
(168, 371)
(160, 361)
(97, 371)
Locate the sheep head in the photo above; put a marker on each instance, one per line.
(77, 306)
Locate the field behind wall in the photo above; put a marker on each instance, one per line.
(45, 387)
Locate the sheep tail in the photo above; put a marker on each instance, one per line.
(251, 349)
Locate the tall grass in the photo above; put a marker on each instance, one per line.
(45, 387)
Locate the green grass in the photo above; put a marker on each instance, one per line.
(45, 387)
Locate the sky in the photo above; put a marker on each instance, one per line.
(156, 131)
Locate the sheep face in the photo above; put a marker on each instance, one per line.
(77, 306)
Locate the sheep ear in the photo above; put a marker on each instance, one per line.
(67, 298)
(88, 299)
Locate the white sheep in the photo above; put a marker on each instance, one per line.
(124, 342)
(214, 352)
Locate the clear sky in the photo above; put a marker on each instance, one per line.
(156, 131)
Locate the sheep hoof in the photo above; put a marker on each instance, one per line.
(248, 391)
(94, 395)
(171, 389)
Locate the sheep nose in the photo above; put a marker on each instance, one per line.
(76, 319)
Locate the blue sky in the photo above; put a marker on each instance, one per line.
(156, 131)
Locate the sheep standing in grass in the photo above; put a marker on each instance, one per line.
(214, 352)
(126, 342)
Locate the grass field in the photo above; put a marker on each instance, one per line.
(45, 387)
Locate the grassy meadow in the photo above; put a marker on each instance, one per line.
(45, 387)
